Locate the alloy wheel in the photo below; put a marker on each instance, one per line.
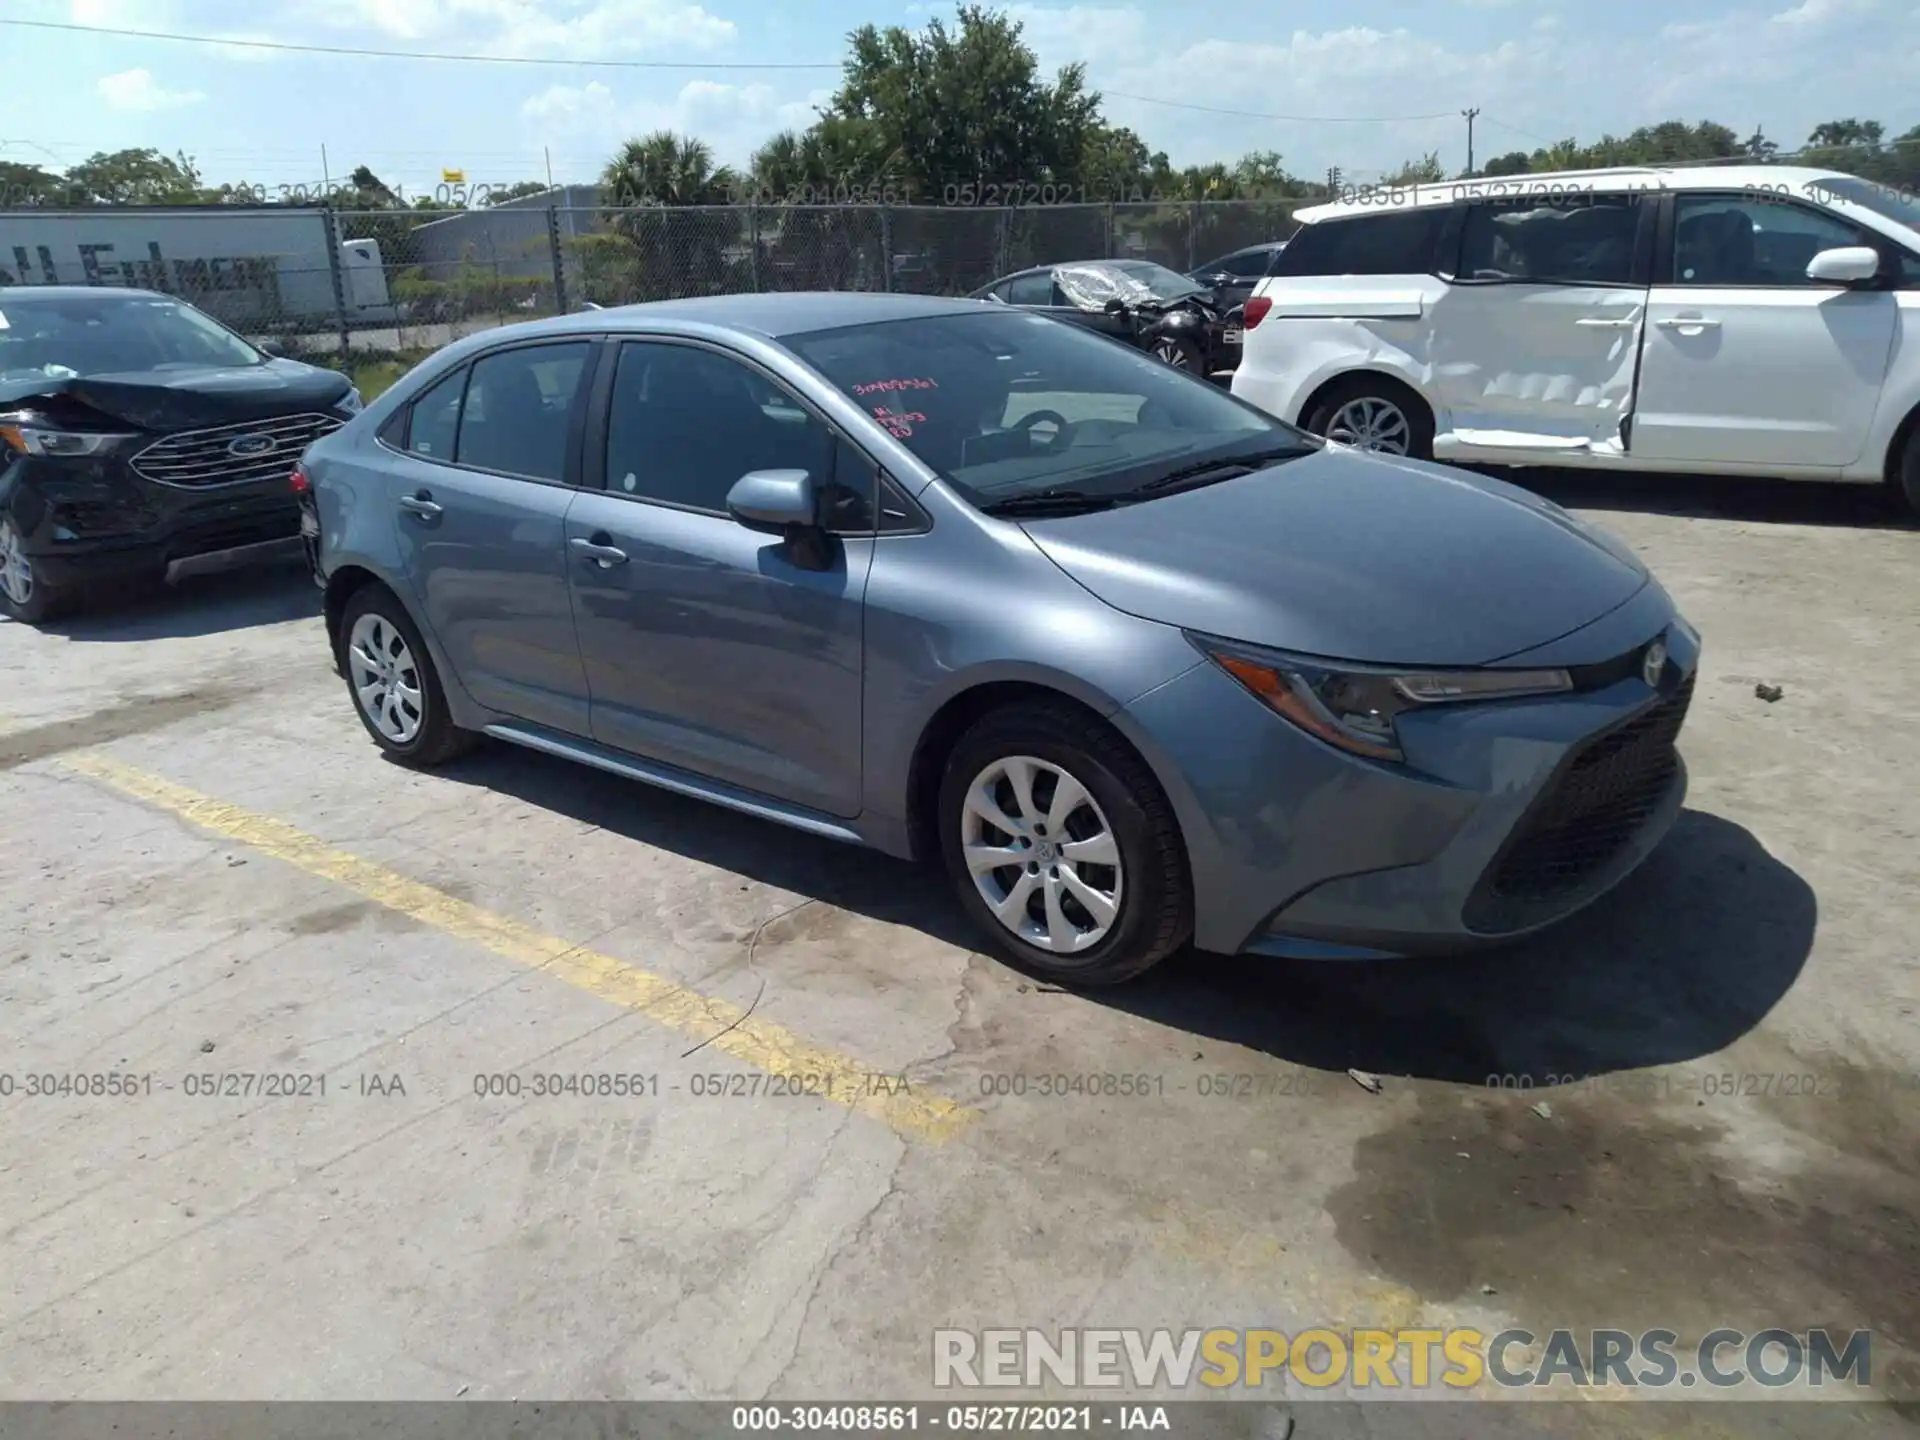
(1042, 854)
(1370, 423)
(1170, 352)
(385, 678)
(16, 570)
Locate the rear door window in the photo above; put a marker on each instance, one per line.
(1587, 240)
(436, 418)
(518, 404)
(1032, 289)
(1400, 242)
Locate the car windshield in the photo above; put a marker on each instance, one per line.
(1901, 206)
(1093, 285)
(71, 337)
(1004, 404)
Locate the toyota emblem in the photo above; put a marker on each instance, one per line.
(1654, 664)
(249, 445)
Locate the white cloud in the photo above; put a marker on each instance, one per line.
(534, 27)
(138, 90)
(733, 119)
(1786, 69)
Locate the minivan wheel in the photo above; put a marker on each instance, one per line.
(25, 595)
(1906, 479)
(396, 691)
(1062, 847)
(1373, 414)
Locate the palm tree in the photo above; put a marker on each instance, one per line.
(653, 185)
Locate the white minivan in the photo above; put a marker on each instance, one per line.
(1762, 320)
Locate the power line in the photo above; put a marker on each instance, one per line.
(289, 47)
(1263, 115)
(359, 52)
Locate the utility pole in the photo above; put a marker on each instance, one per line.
(326, 180)
(1333, 182)
(1469, 115)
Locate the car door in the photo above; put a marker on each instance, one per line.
(709, 646)
(485, 477)
(1748, 363)
(1535, 340)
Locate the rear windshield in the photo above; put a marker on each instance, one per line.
(73, 337)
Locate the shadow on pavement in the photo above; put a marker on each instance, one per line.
(1720, 497)
(201, 605)
(1686, 956)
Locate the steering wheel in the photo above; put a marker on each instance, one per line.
(1062, 431)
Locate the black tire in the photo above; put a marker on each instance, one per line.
(1155, 913)
(43, 602)
(1165, 348)
(1345, 391)
(437, 738)
(1904, 482)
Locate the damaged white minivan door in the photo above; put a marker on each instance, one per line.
(1536, 342)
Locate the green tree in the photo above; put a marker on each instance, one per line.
(30, 185)
(1514, 162)
(966, 105)
(666, 169)
(137, 177)
(1427, 170)
(649, 183)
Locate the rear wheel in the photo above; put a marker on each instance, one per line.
(1062, 847)
(1370, 412)
(1905, 480)
(396, 691)
(25, 595)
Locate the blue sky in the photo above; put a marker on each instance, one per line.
(1538, 69)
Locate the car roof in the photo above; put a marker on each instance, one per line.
(771, 314)
(1618, 180)
(15, 293)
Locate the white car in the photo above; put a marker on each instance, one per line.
(1762, 320)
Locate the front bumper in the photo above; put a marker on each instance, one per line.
(1506, 818)
(100, 522)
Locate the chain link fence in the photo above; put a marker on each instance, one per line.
(327, 284)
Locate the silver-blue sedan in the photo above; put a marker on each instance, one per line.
(1139, 664)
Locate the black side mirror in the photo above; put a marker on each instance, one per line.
(1116, 306)
(272, 349)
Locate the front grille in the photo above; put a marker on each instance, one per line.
(1589, 813)
(198, 459)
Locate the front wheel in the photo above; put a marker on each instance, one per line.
(1062, 846)
(396, 691)
(1374, 414)
(25, 595)
(1178, 352)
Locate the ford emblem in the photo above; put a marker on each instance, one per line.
(1654, 663)
(248, 445)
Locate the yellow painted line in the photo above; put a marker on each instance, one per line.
(727, 1027)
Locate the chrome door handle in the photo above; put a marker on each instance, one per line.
(605, 556)
(1594, 322)
(1688, 322)
(421, 505)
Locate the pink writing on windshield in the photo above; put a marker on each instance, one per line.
(879, 386)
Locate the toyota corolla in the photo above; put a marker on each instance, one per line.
(1137, 663)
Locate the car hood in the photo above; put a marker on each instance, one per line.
(184, 399)
(1353, 557)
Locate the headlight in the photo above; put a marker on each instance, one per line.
(36, 440)
(1356, 707)
(351, 403)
